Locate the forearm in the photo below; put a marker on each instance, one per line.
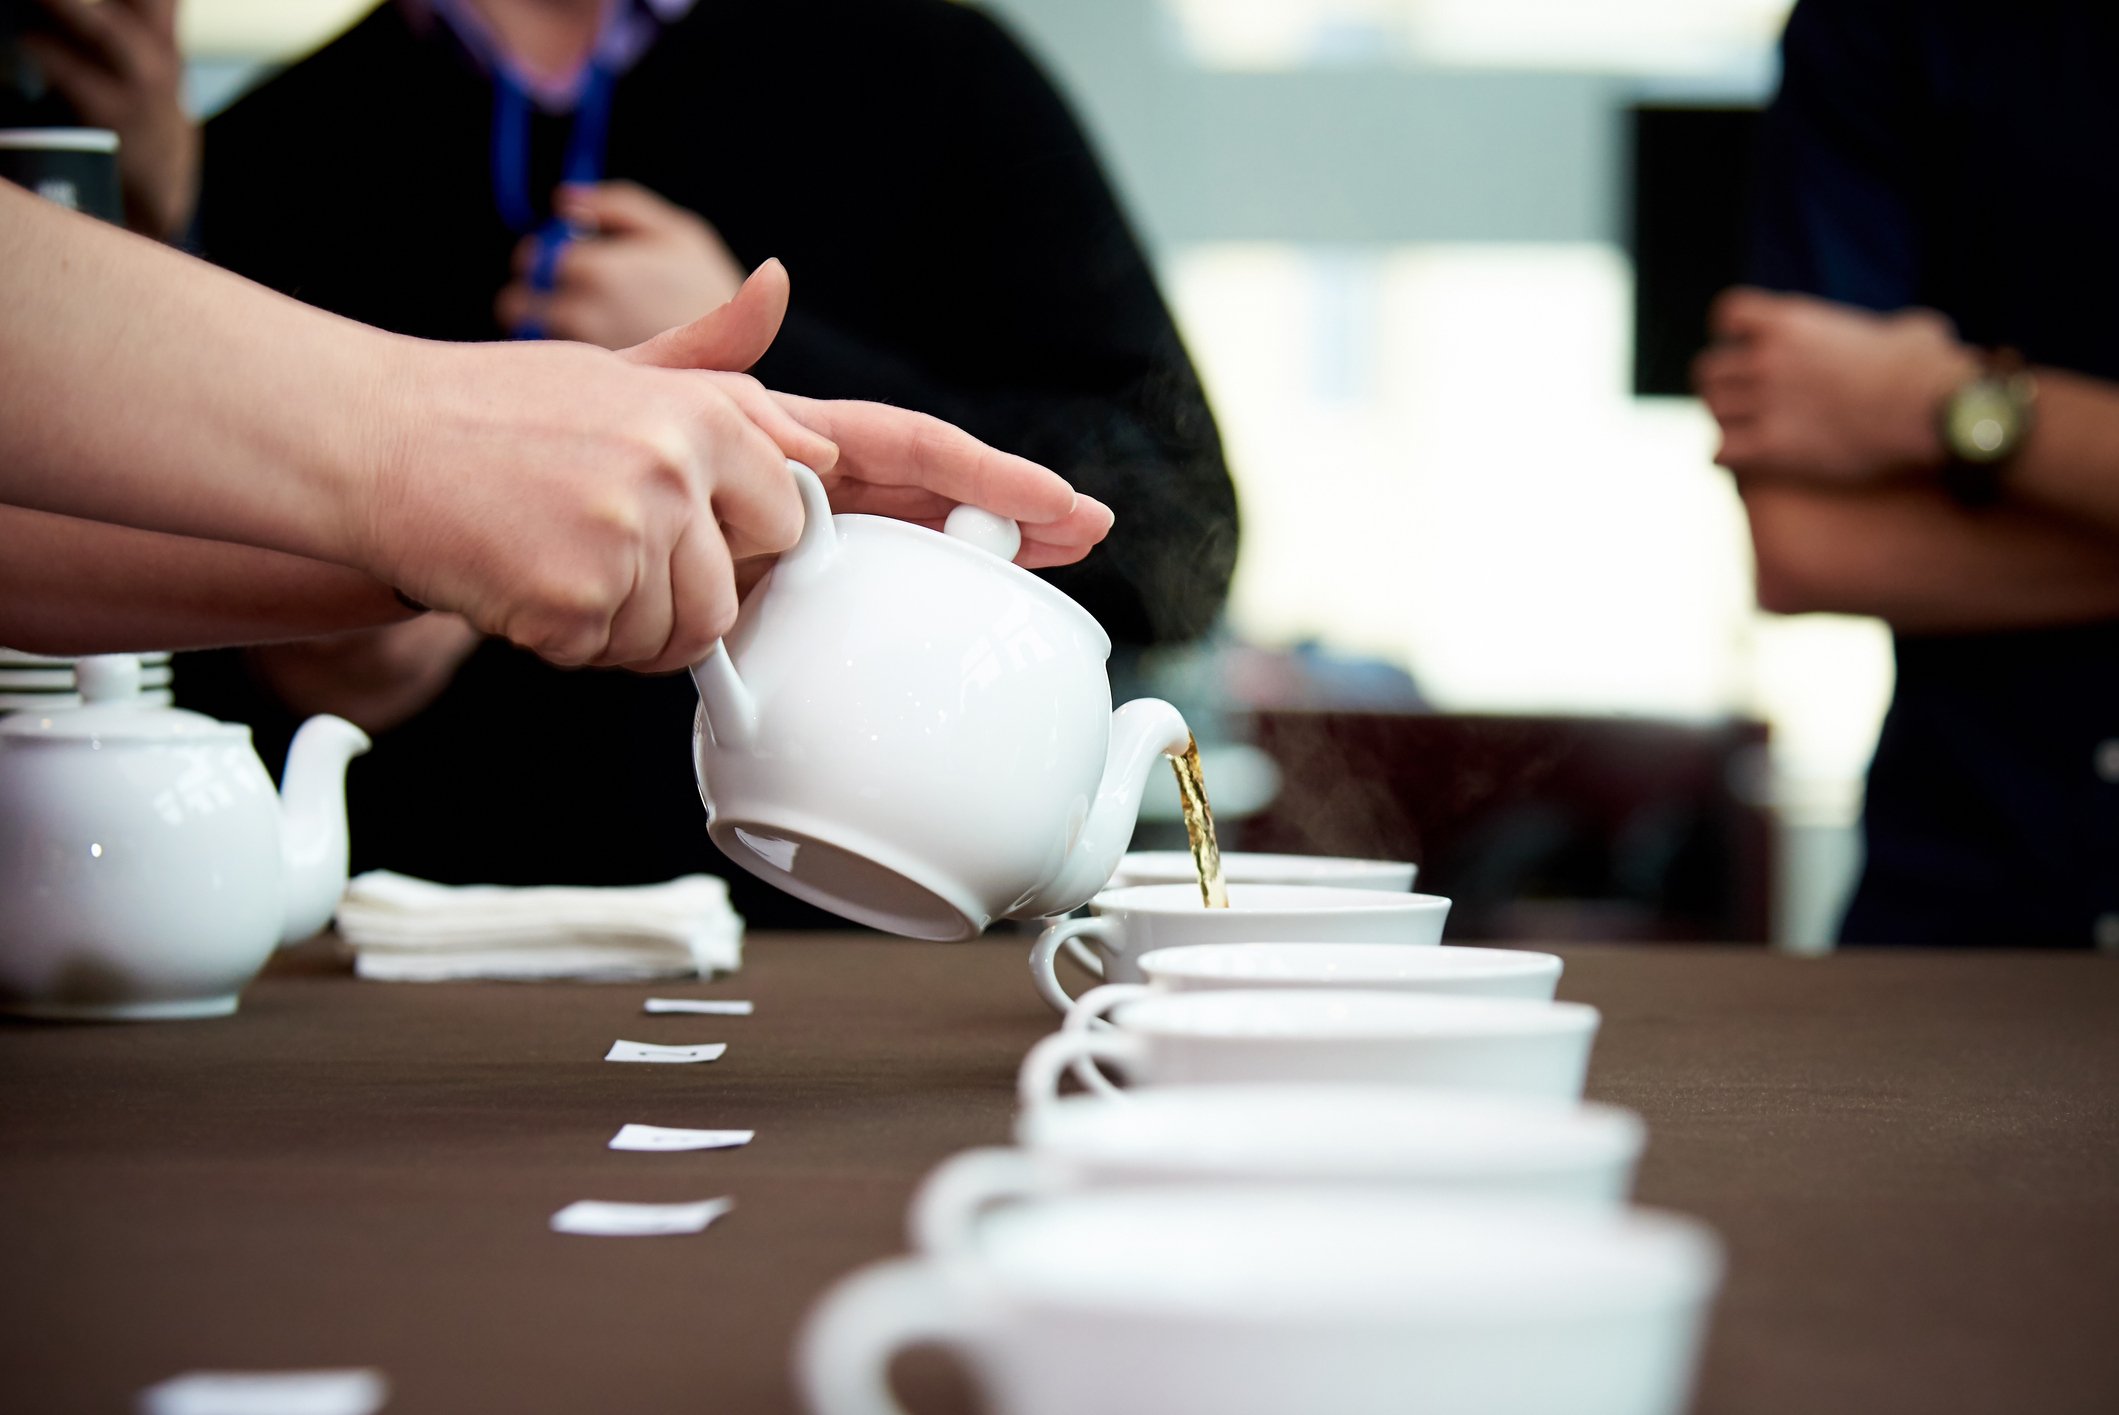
(262, 427)
(2069, 464)
(1910, 556)
(70, 586)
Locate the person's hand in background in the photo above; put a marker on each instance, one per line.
(374, 678)
(116, 62)
(642, 266)
(1805, 389)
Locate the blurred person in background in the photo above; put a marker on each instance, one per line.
(599, 169)
(1917, 410)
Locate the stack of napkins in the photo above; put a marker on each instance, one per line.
(411, 930)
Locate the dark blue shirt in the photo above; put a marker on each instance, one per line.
(1965, 156)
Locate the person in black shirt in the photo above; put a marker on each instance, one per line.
(953, 247)
(1929, 153)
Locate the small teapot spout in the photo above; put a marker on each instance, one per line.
(1142, 731)
(313, 837)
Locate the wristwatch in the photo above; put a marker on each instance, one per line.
(1983, 423)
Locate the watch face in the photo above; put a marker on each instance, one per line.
(1983, 422)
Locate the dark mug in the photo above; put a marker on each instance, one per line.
(75, 167)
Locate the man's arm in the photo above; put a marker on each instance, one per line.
(1830, 419)
(1910, 556)
(69, 586)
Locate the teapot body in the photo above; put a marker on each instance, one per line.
(928, 733)
(138, 878)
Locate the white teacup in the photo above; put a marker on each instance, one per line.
(1252, 867)
(1306, 1036)
(1125, 923)
(1218, 1301)
(1435, 1142)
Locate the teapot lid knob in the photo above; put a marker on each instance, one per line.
(996, 535)
(108, 677)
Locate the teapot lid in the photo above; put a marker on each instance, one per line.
(111, 709)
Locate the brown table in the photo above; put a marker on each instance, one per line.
(1914, 1159)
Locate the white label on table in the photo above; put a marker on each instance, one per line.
(350, 1392)
(700, 1006)
(662, 1137)
(648, 1051)
(608, 1220)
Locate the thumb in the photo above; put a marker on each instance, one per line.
(730, 338)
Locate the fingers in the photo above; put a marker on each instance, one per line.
(1068, 539)
(618, 208)
(754, 496)
(106, 34)
(704, 595)
(87, 82)
(733, 337)
(1741, 312)
(641, 628)
(895, 447)
(812, 449)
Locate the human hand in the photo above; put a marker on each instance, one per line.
(117, 63)
(584, 504)
(374, 678)
(646, 265)
(893, 462)
(1809, 390)
(591, 506)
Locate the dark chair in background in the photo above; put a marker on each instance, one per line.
(1551, 828)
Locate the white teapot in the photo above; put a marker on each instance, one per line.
(147, 867)
(908, 729)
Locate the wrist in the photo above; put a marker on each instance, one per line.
(1983, 424)
(1952, 368)
(388, 414)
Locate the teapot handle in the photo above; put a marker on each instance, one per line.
(813, 549)
(731, 711)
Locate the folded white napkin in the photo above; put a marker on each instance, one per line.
(412, 930)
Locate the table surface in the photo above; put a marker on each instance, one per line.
(1913, 1159)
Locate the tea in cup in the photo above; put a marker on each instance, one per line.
(1125, 923)
(1221, 1301)
(1510, 1045)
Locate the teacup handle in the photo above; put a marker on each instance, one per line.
(1043, 953)
(1087, 1015)
(950, 1200)
(843, 1355)
(1038, 1082)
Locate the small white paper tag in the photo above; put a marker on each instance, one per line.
(608, 1220)
(648, 1051)
(348, 1392)
(700, 1006)
(662, 1137)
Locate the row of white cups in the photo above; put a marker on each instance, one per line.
(1350, 1171)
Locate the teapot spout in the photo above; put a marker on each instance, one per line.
(1142, 732)
(313, 836)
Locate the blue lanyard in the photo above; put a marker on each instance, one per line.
(511, 167)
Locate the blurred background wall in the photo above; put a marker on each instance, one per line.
(1395, 233)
